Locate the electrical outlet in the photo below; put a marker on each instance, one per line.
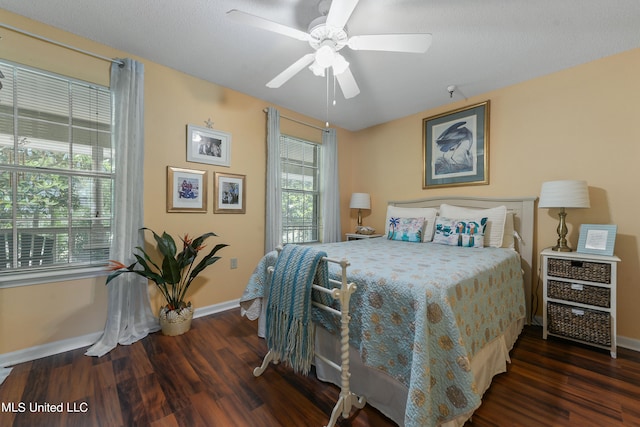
(234, 263)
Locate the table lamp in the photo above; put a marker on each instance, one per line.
(360, 201)
(564, 194)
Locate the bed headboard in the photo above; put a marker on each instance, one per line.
(523, 211)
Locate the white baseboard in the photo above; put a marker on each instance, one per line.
(57, 347)
(630, 343)
(216, 308)
(624, 342)
(48, 349)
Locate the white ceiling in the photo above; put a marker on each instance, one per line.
(479, 46)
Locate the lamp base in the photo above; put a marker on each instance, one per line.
(560, 248)
(561, 245)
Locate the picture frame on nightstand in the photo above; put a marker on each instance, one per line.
(597, 239)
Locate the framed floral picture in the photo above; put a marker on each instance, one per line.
(456, 147)
(208, 146)
(230, 193)
(186, 190)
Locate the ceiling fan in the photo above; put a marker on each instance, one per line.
(327, 35)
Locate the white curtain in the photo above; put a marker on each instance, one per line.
(4, 373)
(330, 188)
(273, 225)
(129, 316)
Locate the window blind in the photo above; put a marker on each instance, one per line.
(56, 171)
(300, 190)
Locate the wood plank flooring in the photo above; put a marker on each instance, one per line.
(204, 378)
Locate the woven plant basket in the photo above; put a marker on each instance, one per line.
(175, 322)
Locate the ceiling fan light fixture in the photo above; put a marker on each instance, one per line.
(340, 64)
(317, 69)
(325, 55)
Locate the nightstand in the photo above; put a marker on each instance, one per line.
(579, 297)
(354, 236)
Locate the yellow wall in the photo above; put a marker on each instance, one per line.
(576, 124)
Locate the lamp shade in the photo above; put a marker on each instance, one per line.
(564, 194)
(360, 201)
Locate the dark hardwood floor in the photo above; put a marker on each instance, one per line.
(204, 378)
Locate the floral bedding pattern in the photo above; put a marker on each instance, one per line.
(421, 312)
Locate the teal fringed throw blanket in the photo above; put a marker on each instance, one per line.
(290, 333)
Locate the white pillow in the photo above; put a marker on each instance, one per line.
(429, 215)
(509, 238)
(495, 224)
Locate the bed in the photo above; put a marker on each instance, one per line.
(431, 323)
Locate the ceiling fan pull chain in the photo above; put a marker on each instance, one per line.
(326, 124)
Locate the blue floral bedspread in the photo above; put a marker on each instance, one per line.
(420, 314)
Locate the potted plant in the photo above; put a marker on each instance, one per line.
(172, 277)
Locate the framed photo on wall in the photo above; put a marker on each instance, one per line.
(230, 193)
(186, 190)
(455, 147)
(597, 239)
(208, 146)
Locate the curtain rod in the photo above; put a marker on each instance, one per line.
(86, 52)
(301, 122)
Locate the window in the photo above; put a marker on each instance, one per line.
(56, 172)
(300, 190)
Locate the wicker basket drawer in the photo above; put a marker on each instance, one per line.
(585, 294)
(587, 325)
(579, 270)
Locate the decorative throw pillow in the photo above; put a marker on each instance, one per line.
(406, 229)
(460, 232)
(496, 218)
(429, 215)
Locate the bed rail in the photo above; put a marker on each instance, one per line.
(341, 292)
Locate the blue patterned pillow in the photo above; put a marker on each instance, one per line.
(460, 232)
(406, 229)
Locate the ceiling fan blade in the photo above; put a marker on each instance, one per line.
(340, 12)
(265, 24)
(412, 43)
(348, 84)
(293, 69)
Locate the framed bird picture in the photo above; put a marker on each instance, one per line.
(455, 147)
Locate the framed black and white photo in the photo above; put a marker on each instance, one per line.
(186, 190)
(456, 147)
(597, 239)
(230, 193)
(208, 146)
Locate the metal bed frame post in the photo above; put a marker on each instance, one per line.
(347, 399)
